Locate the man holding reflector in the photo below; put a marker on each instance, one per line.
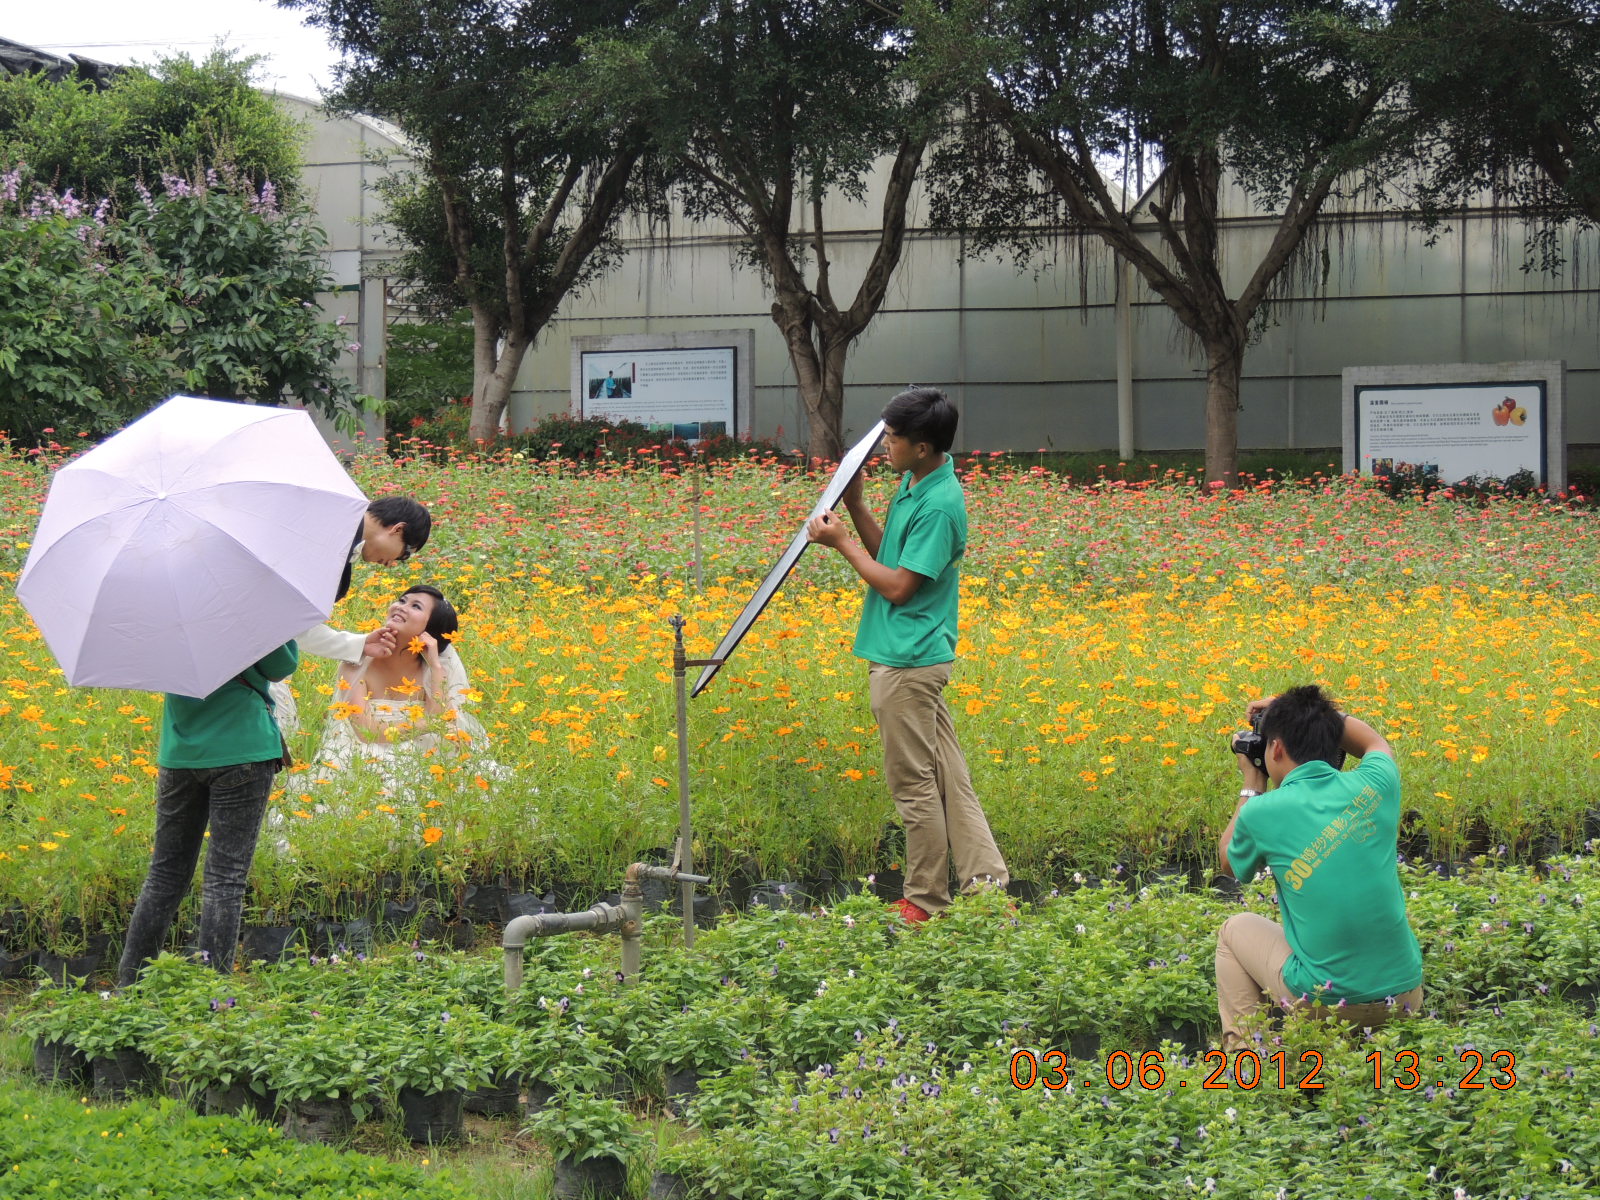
(911, 565)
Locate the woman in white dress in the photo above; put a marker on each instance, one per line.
(408, 710)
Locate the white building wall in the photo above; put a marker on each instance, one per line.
(1029, 354)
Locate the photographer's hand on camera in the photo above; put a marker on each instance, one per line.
(1252, 779)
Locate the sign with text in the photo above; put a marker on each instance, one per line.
(1452, 431)
(685, 394)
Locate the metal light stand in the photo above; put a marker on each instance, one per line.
(683, 856)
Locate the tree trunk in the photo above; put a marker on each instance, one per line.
(494, 370)
(827, 416)
(1224, 364)
(819, 376)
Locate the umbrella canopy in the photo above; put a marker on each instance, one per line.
(182, 549)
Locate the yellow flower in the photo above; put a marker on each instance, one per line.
(432, 834)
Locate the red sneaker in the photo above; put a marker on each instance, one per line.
(909, 913)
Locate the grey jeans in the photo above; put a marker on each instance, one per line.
(229, 801)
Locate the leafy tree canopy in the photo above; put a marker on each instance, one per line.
(1208, 92)
(1506, 96)
(761, 111)
(207, 287)
(174, 119)
(521, 174)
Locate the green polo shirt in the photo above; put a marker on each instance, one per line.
(232, 725)
(925, 532)
(1330, 838)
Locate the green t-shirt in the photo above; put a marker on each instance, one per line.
(1330, 838)
(925, 532)
(232, 725)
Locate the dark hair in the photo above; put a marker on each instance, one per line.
(388, 510)
(442, 622)
(1308, 723)
(923, 414)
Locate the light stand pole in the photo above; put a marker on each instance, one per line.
(683, 858)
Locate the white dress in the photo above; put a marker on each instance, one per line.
(404, 755)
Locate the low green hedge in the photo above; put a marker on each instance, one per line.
(55, 1145)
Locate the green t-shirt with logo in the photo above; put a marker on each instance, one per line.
(232, 725)
(1330, 837)
(925, 532)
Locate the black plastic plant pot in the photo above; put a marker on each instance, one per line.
(1226, 886)
(268, 943)
(486, 902)
(682, 1086)
(531, 904)
(17, 965)
(122, 1073)
(433, 1118)
(1184, 1033)
(63, 968)
(706, 910)
(540, 1094)
(604, 1177)
(1025, 890)
(889, 884)
(1084, 1045)
(319, 1120)
(61, 1064)
(499, 1097)
(399, 915)
(239, 1099)
(326, 936)
(779, 894)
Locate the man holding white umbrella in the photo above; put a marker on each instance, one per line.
(182, 555)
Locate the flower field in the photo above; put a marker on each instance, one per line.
(1111, 635)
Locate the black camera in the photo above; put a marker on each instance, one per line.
(1251, 744)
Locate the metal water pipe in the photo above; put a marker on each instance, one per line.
(626, 918)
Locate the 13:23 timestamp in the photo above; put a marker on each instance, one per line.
(1406, 1071)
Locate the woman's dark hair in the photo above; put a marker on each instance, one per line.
(923, 414)
(442, 622)
(387, 510)
(1308, 723)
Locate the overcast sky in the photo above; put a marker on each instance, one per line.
(298, 58)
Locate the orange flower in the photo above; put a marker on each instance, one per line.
(432, 834)
(417, 646)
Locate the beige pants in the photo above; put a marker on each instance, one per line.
(1251, 951)
(928, 778)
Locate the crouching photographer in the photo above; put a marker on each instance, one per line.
(1330, 838)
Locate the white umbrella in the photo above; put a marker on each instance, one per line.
(182, 549)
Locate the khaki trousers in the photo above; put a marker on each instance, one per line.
(932, 789)
(1251, 951)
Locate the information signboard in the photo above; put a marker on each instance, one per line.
(681, 393)
(1452, 431)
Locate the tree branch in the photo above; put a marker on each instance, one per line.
(891, 237)
(540, 233)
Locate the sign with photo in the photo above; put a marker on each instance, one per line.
(1452, 431)
(684, 394)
